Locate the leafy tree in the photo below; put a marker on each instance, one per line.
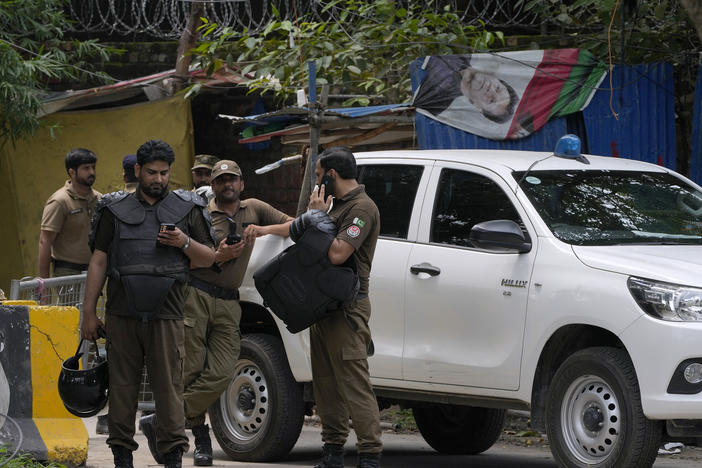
(365, 49)
(633, 31)
(33, 55)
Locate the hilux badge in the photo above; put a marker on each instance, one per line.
(512, 283)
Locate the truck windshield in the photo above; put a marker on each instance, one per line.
(591, 207)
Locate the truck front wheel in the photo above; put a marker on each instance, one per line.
(259, 416)
(453, 429)
(594, 415)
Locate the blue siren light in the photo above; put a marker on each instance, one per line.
(568, 146)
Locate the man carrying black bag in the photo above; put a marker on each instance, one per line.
(340, 340)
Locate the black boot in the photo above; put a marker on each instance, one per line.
(332, 456)
(203, 445)
(174, 458)
(147, 425)
(368, 460)
(123, 457)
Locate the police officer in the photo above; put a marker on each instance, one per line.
(130, 180)
(146, 242)
(202, 169)
(65, 222)
(339, 343)
(212, 311)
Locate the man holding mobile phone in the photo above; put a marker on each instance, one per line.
(212, 311)
(147, 264)
(339, 344)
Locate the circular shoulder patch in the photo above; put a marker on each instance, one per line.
(353, 231)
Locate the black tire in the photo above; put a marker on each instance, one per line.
(594, 416)
(459, 430)
(259, 416)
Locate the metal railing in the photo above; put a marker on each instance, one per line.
(70, 291)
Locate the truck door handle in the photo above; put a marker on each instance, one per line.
(425, 267)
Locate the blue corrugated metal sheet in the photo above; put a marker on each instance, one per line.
(644, 100)
(696, 148)
(432, 134)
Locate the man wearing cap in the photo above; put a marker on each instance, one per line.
(65, 222)
(130, 180)
(202, 169)
(212, 311)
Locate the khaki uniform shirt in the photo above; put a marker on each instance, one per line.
(251, 211)
(69, 215)
(358, 222)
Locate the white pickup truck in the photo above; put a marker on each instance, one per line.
(571, 288)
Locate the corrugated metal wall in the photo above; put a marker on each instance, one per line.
(696, 149)
(644, 101)
(643, 98)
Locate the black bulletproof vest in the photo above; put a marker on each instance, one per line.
(146, 268)
(301, 286)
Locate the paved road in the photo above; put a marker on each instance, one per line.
(401, 451)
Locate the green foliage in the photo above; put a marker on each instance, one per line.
(653, 30)
(34, 54)
(402, 420)
(23, 461)
(365, 49)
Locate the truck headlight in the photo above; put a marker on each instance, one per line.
(667, 301)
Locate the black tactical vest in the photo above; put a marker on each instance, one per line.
(146, 268)
(301, 286)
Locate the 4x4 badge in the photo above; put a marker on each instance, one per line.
(512, 283)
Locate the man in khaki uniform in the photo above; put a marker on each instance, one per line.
(65, 223)
(202, 170)
(339, 344)
(212, 312)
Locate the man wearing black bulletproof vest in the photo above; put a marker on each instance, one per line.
(145, 243)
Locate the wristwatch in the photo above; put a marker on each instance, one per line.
(187, 244)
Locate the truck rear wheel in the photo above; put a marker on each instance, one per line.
(594, 416)
(259, 416)
(453, 429)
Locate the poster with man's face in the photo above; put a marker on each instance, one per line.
(507, 95)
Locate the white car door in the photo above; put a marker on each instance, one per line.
(465, 308)
(393, 185)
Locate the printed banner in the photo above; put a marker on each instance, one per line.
(507, 95)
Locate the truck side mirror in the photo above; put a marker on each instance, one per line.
(499, 234)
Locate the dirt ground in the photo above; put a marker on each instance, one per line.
(517, 432)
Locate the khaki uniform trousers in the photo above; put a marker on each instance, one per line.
(212, 345)
(341, 380)
(159, 343)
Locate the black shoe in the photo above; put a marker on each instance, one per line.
(332, 456)
(123, 457)
(101, 425)
(174, 458)
(368, 460)
(203, 445)
(147, 425)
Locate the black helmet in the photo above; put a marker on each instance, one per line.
(83, 392)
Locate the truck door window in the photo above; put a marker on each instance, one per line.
(463, 200)
(393, 188)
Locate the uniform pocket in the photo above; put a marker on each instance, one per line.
(354, 351)
(178, 368)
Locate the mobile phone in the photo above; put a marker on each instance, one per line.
(328, 183)
(232, 237)
(167, 227)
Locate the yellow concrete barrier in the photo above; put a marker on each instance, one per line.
(34, 341)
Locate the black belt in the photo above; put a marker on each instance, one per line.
(70, 265)
(214, 291)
